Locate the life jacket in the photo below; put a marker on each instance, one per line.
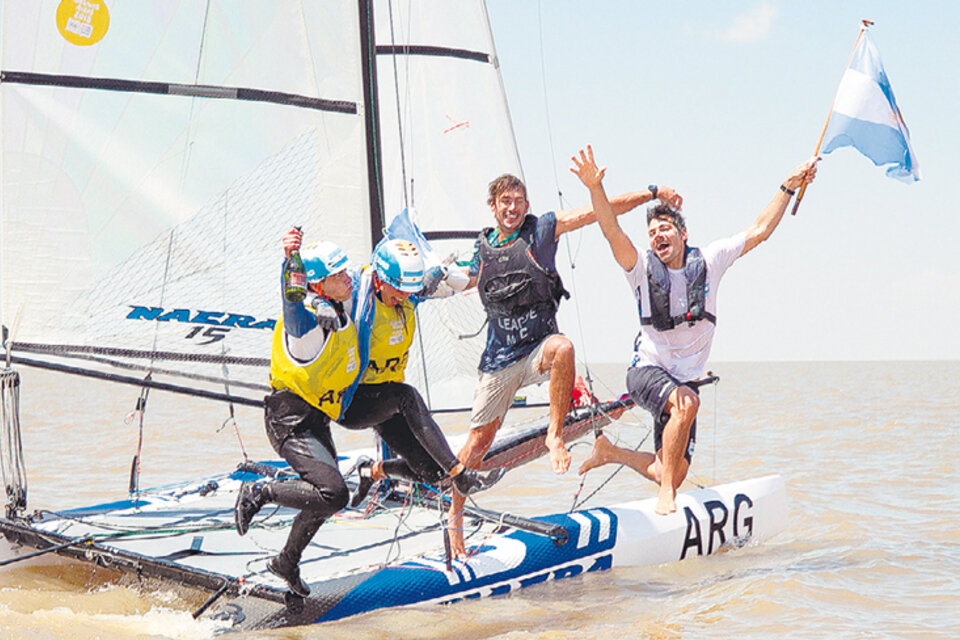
(511, 281)
(658, 284)
(323, 380)
(390, 340)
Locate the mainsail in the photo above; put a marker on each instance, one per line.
(153, 154)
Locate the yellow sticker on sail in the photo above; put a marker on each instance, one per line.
(83, 22)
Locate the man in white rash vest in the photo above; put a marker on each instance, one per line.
(675, 287)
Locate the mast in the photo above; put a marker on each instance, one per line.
(371, 117)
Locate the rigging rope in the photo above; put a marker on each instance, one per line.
(139, 411)
(11, 447)
(396, 83)
(571, 256)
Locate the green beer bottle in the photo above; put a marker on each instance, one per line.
(294, 278)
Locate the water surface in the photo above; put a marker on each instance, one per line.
(868, 451)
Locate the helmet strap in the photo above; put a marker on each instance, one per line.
(378, 286)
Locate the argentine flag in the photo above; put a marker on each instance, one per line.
(865, 116)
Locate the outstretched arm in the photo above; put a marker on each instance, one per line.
(572, 219)
(592, 178)
(771, 215)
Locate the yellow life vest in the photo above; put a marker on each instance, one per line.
(322, 381)
(390, 340)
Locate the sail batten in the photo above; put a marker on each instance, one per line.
(428, 50)
(174, 89)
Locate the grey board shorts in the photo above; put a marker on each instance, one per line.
(650, 386)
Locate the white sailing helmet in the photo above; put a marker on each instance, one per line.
(399, 264)
(323, 259)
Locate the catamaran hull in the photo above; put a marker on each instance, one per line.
(501, 560)
(625, 535)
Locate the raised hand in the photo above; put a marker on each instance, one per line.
(586, 169)
(292, 240)
(803, 174)
(670, 196)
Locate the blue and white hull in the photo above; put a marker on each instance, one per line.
(392, 556)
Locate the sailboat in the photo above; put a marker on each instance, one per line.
(153, 153)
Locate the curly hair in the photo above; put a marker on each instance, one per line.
(663, 211)
(506, 182)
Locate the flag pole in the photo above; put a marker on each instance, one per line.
(803, 188)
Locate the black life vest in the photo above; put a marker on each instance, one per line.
(511, 281)
(658, 283)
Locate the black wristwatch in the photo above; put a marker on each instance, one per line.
(653, 191)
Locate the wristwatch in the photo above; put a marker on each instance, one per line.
(653, 191)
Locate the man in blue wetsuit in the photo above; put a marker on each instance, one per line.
(514, 269)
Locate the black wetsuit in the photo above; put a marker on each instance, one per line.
(397, 412)
(300, 433)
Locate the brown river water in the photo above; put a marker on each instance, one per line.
(869, 452)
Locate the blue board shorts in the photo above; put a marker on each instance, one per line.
(650, 386)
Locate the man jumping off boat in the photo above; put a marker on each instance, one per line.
(514, 269)
(676, 289)
(312, 362)
(385, 296)
(317, 359)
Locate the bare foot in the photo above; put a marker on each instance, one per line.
(458, 550)
(598, 455)
(667, 502)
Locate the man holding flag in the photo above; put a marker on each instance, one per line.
(675, 287)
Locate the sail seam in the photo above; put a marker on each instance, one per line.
(450, 235)
(174, 89)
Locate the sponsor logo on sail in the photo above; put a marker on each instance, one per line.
(82, 22)
(217, 323)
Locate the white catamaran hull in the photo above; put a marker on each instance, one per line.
(624, 535)
(395, 556)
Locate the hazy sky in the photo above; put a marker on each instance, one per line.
(721, 100)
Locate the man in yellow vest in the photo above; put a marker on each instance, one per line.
(313, 361)
(386, 294)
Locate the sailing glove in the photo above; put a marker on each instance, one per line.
(432, 279)
(327, 317)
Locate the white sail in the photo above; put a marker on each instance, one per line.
(440, 90)
(151, 163)
(153, 154)
(446, 133)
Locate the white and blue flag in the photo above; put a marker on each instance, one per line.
(404, 227)
(865, 116)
